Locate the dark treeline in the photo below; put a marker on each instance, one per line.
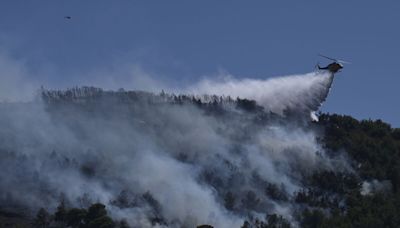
(92, 94)
(87, 95)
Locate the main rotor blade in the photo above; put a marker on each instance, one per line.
(327, 57)
(342, 61)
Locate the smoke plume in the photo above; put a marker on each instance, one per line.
(300, 93)
(167, 160)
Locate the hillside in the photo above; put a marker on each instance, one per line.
(91, 158)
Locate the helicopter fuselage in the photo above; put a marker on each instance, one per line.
(333, 67)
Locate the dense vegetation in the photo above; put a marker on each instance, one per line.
(334, 200)
(375, 149)
(369, 196)
(339, 199)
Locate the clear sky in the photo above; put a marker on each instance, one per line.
(181, 41)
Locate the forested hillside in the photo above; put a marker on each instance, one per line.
(92, 158)
(370, 197)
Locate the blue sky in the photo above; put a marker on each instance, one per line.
(181, 41)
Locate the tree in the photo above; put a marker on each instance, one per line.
(205, 226)
(97, 217)
(95, 211)
(312, 219)
(101, 222)
(61, 213)
(76, 217)
(42, 219)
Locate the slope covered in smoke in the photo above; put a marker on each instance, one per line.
(167, 160)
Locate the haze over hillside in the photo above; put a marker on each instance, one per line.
(228, 153)
(188, 152)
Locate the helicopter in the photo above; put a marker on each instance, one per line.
(334, 67)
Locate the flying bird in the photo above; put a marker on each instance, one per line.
(67, 17)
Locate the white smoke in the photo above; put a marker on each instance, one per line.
(375, 186)
(116, 152)
(15, 83)
(302, 93)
